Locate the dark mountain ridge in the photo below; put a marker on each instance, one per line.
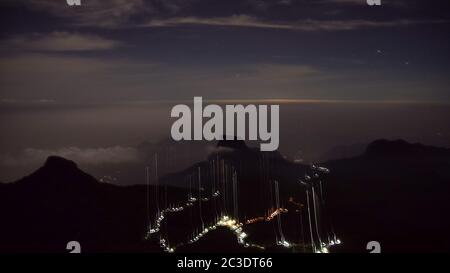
(395, 193)
(59, 203)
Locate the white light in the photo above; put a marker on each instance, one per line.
(284, 243)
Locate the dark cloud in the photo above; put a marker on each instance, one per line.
(129, 13)
(58, 41)
(305, 25)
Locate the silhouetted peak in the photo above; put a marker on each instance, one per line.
(234, 143)
(60, 163)
(59, 171)
(400, 147)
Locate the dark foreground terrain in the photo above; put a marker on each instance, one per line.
(395, 193)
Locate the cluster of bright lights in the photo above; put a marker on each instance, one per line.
(284, 243)
(161, 217)
(165, 246)
(275, 213)
(322, 250)
(202, 233)
(236, 227)
(335, 242)
(255, 220)
(268, 218)
(229, 223)
(324, 247)
(175, 209)
(157, 225)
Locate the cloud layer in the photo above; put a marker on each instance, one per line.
(295, 14)
(304, 25)
(59, 42)
(82, 79)
(90, 156)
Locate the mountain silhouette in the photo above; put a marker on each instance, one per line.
(401, 148)
(233, 143)
(63, 203)
(395, 193)
(247, 183)
(59, 173)
(59, 203)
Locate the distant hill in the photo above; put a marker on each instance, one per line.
(59, 203)
(246, 178)
(396, 193)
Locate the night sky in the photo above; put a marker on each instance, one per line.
(82, 76)
(132, 50)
